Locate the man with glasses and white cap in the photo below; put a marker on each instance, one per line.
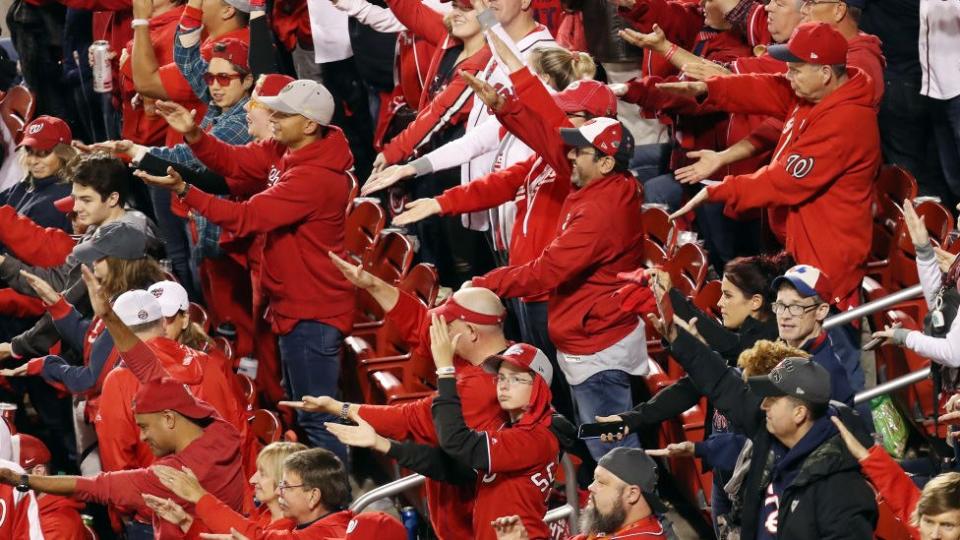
(301, 214)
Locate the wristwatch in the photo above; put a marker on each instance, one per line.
(344, 412)
(24, 485)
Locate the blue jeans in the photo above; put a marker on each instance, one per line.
(173, 232)
(310, 356)
(135, 530)
(663, 189)
(603, 394)
(650, 160)
(532, 317)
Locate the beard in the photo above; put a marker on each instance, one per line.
(594, 522)
(575, 177)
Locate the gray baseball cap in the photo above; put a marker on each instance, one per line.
(801, 378)
(635, 468)
(116, 239)
(304, 97)
(240, 5)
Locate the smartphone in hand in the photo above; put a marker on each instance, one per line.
(594, 431)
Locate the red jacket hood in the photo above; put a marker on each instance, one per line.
(181, 363)
(866, 43)
(856, 92)
(331, 152)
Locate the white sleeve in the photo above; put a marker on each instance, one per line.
(378, 18)
(931, 279)
(475, 142)
(945, 350)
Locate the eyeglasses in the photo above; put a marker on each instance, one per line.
(512, 380)
(224, 79)
(283, 486)
(793, 309)
(585, 151)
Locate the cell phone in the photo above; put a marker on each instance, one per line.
(594, 431)
(873, 344)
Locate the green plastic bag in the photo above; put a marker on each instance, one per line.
(891, 429)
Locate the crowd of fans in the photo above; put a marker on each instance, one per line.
(625, 214)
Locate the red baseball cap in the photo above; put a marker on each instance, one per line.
(65, 204)
(587, 96)
(30, 451)
(466, 5)
(607, 135)
(272, 84)
(234, 51)
(525, 357)
(45, 132)
(169, 395)
(813, 43)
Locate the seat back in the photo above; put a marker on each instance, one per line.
(249, 388)
(653, 253)
(17, 109)
(265, 426)
(691, 261)
(198, 314)
(224, 345)
(423, 282)
(708, 296)
(656, 224)
(364, 223)
(894, 184)
(388, 259)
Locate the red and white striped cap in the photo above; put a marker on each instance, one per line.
(525, 357)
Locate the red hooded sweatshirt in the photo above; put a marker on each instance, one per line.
(534, 185)
(599, 234)
(60, 518)
(451, 506)
(301, 215)
(822, 170)
(215, 457)
(220, 518)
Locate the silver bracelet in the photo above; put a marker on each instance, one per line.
(449, 370)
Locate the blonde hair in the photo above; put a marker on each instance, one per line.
(940, 495)
(63, 151)
(765, 355)
(562, 66)
(271, 458)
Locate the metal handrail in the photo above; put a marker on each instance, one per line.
(872, 307)
(567, 511)
(387, 490)
(892, 385)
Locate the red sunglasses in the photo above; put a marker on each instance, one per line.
(223, 78)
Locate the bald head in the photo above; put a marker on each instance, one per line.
(480, 300)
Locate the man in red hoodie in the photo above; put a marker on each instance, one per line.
(179, 429)
(827, 157)
(301, 216)
(599, 234)
(59, 516)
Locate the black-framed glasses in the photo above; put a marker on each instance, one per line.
(807, 4)
(223, 78)
(283, 486)
(793, 309)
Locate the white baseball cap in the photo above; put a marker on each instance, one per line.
(137, 307)
(304, 97)
(172, 297)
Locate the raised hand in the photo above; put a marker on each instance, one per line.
(887, 333)
(124, 147)
(690, 89)
(169, 511)
(668, 332)
(43, 289)
(708, 162)
(485, 91)
(618, 89)
(945, 259)
(386, 178)
(703, 70)
(177, 116)
(509, 528)
(416, 211)
(655, 41)
(682, 449)
(505, 53)
(318, 404)
(354, 273)
(611, 437)
(182, 483)
(361, 435)
(915, 225)
(19, 371)
(172, 181)
(6, 351)
(98, 297)
(442, 346)
(380, 162)
(857, 450)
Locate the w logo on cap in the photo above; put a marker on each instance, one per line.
(34, 129)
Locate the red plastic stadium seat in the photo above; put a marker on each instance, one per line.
(364, 223)
(17, 109)
(265, 426)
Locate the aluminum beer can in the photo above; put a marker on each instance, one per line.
(411, 521)
(102, 71)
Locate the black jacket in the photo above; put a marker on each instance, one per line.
(828, 499)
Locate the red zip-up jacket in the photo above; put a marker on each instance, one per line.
(535, 186)
(447, 105)
(822, 170)
(215, 457)
(60, 518)
(451, 506)
(221, 518)
(893, 484)
(301, 215)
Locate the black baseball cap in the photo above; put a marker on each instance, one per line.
(635, 468)
(801, 378)
(116, 239)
